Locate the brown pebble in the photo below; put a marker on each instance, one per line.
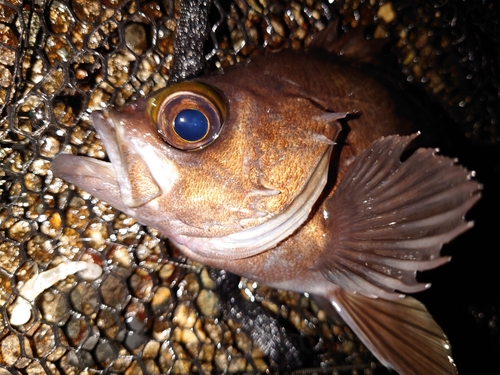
(206, 281)
(386, 12)
(184, 316)
(151, 349)
(208, 303)
(162, 298)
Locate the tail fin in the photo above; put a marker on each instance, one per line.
(400, 333)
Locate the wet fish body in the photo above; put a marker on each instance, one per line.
(297, 183)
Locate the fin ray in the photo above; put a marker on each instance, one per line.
(405, 228)
(400, 333)
(388, 219)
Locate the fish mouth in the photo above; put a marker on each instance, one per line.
(127, 175)
(135, 180)
(95, 176)
(73, 168)
(81, 170)
(87, 171)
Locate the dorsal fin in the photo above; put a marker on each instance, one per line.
(352, 45)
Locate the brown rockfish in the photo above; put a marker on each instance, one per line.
(287, 169)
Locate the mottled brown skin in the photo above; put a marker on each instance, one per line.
(335, 87)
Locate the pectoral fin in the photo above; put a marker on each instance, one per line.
(388, 219)
(400, 333)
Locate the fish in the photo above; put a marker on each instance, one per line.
(296, 169)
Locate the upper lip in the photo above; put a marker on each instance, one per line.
(105, 127)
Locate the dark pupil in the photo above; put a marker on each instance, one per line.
(191, 125)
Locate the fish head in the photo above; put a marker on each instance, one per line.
(224, 170)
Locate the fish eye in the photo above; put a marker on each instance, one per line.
(188, 115)
(191, 125)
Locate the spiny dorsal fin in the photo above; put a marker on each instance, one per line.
(352, 45)
(389, 219)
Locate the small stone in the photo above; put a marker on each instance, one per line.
(136, 316)
(11, 351)
(214, 332)
(110, 323)
(161, 330)
(120, 255)
(151, 349)
(199, 331)
(165, 360)
(60, 17)
(55, 78)
(135, 38)
(97, 233)
(121, 364)
(185, 336)
(5, 77)
(184, 316)
(77, 331)
(206, 281)
(386, 12)
(237, 364)
(243, 342)
(52, 227)
(141, 284)
(271, 306)
(57, 50)
(260, 365)
(181, 366)
(162, 298)
(134, 369)
(189, 287)
(296, 320)
(151, 367)
(35, 368)
(84, 299)
(113, 292)
(54, 307)
(9, 256)
(193, 348)
(105, 354)
(19, 230)
(87, 10)
(206, 368)
(207, 352)
(348, 347)
(221, 360)
(33, 182)
(208, 303)
(166, 271)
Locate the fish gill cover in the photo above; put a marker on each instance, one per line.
(152, 311)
